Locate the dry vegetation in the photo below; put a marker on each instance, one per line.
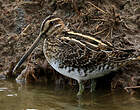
(117, 21)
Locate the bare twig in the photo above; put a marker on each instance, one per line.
(99, 32)
(28, 2)
(25, 29)
(132, 87)
(98, 25)
(99, 20)
(125, 25)
(109, 32)
(97, 7)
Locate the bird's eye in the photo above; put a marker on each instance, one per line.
(51, 23)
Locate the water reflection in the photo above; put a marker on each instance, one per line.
(42, 97)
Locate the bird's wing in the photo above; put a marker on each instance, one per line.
(79, 50)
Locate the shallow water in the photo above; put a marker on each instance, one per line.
(42, 97)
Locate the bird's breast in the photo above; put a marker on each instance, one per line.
(80, 73)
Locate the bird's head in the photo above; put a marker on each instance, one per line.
(49, 27)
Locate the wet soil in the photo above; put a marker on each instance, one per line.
(116, 21)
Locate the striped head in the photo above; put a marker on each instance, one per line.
(50, 26)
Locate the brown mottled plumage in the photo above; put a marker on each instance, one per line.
(76, 55)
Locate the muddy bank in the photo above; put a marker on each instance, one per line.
(118, 22)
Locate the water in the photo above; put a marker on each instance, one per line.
(42, 97)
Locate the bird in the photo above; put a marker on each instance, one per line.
(76, 55)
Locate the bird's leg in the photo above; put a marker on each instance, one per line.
(81, 88)
(93, 85)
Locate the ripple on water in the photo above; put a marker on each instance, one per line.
(3, 89)
(31, 109)
(10, 95)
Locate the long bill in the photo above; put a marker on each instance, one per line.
(28, 52)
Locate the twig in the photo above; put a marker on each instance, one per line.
(100, 31)
(109, 32)
(25, 29)
(125, 25)
(98, 25)
(132, 87)
(99, 20)
(33, 75)
(28, 2)
(97, 7)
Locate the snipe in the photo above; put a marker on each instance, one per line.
(76, 55)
